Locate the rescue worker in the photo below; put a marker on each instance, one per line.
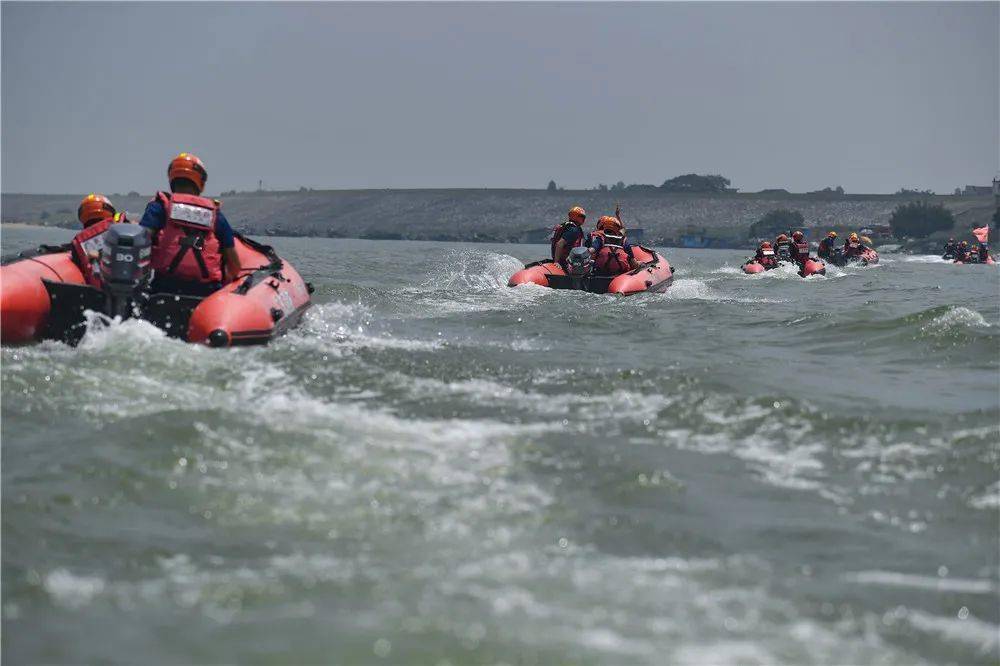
(567, 235)
(612, 251)
(950, 249)
(853, 246)
(96, 214)
(765, 256)
(962, 254)
(783, 247)
(800, 247)
(826, 246)
(984, 252)
(194, 248)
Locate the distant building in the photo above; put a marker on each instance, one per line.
(979, 190)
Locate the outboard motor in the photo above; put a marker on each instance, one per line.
(580, 262)
(125, 265)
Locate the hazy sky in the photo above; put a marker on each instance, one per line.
(869, 96)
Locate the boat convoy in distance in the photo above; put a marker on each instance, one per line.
(185, 270)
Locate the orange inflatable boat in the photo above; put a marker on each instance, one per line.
(654, 274)
(43, 295)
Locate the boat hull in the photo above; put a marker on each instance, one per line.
(24, 301)
(654, 274)
(46, 297)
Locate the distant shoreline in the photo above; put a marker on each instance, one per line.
(655, 217)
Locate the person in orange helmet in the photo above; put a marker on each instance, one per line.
(568, 234)
(194, 247)
(96, 214)
(853, 246)
(783, 247)
(612, 251)
(826, 246)
(799, 247)
(765, 256)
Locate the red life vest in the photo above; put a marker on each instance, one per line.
(611, 258)
(186, 247)
(853, 248)
(766, 258)
(801, 251)
(557, 233)
(87, 246)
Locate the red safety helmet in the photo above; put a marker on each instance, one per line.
(93, 209)
(188, 167)
(797, 235)
(577, 215)
(781, 237)
(765, 246)
(610, 224)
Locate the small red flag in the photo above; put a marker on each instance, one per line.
(981, 234)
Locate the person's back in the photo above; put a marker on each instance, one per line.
(799, 248)
(783, 247)
(567, 235)
(96, 214)
(826, 246)
(984, 252)
(962, 253)
(950, 248)
(612, 250)
(194, 246)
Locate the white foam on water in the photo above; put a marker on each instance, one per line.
(782, 452)
(688, 289)
(730, 270)
(471, 270)
(72, 590)
(727, 614)
(956, 317)
(103, 332)
(487, 392)
(968, 631)
(337, 327)
(921, 259)
(938, 584)
(990, 499)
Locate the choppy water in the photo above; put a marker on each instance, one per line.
(438, 469)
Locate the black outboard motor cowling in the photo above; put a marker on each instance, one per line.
(125, 264)
(580, 262)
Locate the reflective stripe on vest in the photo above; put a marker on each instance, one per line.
(613, 241)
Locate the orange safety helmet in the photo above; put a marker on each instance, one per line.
(93, 209)
(188, 167)
(610, 224)
(577, 215)
(832, 234)
(853, 237)
(781, 237)
(797, 235)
